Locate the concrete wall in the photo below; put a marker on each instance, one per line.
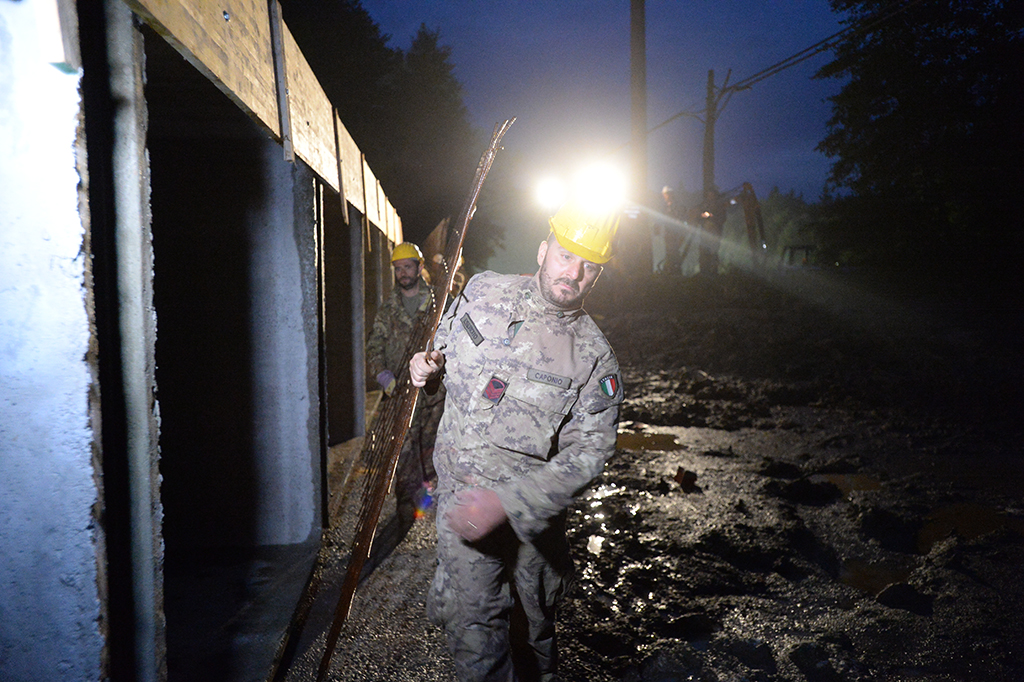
(229, 280)
(236, 352)
(50, 605)
(286, 413)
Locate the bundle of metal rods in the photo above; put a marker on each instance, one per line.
(383, 445)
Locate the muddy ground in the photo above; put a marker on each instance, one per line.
(817, 479)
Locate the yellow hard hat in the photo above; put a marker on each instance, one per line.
(588, 234)
(406, 250)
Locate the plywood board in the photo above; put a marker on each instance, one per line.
(228, 41)
(372, 194)
(396, 224)
(312, 116)
(351, 168)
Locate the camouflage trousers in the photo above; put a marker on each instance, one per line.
(482, 591)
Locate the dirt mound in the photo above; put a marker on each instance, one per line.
(852, 508)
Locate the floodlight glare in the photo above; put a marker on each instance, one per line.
(600, 187)
(551, 193)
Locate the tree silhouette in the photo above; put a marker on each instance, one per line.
(436, 149)
(354, 65)
(926, 133)
(404, 110)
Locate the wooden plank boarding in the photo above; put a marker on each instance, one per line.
(228, 41)
(394, 222)
(312, 115)
(351, 168)
(372, 194)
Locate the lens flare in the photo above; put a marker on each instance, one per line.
(551, 193)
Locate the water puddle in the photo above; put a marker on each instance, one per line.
(871, 577)
(967, 520)
(639, 440)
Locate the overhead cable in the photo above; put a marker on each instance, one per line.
(863, 26)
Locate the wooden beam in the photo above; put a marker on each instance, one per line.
(281, 79)
(228, 42)
(231, 43)
(312, 115)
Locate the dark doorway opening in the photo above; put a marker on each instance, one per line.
(236, 374)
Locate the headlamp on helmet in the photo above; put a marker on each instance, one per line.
(587, 233)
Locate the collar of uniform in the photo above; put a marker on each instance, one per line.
(531, 297)
(428, 292)
(424, 288)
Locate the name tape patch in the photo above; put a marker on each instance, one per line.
(543, 377)
(474, 334)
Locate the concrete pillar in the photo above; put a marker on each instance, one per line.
(286, 415)
(51, 585)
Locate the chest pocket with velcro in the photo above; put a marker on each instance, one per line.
(529, 416)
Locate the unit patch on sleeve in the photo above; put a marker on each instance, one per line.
(610, 385)
(474, 334)
(543, 377)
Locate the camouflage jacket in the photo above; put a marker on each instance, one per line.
(533, 399)
(392, 328)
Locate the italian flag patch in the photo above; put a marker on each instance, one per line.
(610, 385)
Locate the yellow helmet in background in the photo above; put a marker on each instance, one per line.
(406, 250)
(588, 234)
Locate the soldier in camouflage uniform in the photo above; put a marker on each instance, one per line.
(385, 349)
(531, 418)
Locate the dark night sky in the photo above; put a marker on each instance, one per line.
(563, 69)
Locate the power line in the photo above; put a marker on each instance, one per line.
(863, 26)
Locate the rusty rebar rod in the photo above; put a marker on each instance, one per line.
(383, 445)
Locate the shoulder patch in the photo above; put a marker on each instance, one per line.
(474, 334)
(610, 385)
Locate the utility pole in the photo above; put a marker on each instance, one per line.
(638, 96)
(710, 114)
(640, 236)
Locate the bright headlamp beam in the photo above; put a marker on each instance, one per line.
(551, 193)
(598, 188)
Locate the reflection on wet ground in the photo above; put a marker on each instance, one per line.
(633, 440)
(966, 520)
(791, 557)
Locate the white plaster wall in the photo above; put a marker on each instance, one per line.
(49, 602)
(282, 399)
